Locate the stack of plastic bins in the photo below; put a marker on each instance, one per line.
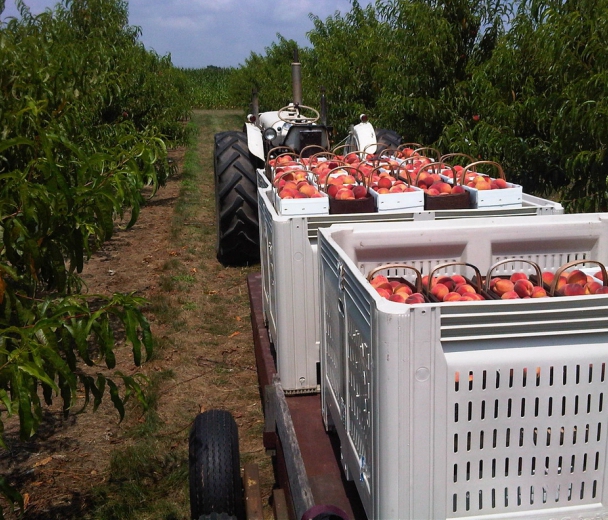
(491, 409)
(290, 282)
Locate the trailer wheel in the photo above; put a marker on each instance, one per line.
(388, 138)
(214, 466)
(236, 201)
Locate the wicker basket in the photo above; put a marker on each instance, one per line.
(474, 282)
(446, 201)
(366, 204)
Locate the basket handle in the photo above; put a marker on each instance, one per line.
(470, 167)
(312, 147)
(510, 260)
(413, 146)
(357, 175)
(358, 153)
(290, 152)
(376, 270)
(448, 264)
(436, 152)
(286, 150)
(572, 264)
(457, 154)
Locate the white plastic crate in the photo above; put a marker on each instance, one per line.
(493, 409)
(290, 283)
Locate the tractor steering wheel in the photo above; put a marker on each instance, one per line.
(287, 115)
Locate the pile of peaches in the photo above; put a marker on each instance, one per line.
(396, 291)
(516, 286)
(455, 288)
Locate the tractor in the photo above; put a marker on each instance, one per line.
(239, 154)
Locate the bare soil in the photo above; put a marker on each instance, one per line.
(204, 359)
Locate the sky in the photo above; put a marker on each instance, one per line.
(199, 33)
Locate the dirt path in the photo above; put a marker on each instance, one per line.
(204, 359)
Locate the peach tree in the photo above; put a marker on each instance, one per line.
(86, 117)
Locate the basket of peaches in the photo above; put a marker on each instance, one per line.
(454, 287)
(522, 283)
(393, 193)
(346, 187)
(490, 191)
(438, 192)
(397, 288)
(569, 280)
(296, 193)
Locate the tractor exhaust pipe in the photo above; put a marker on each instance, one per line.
(255, 104)
(323, 107)
(296, 79)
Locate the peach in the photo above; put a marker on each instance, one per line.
(509, 295)
(332, 190)
(448, 281)
(468, 297)
(359, 191)
(385, 182)
(518, 276)
(379, 279)
(548, 277)
(384, 292)
(399, 298)
(538, 292)
(414, 298)
(561, 282)
(402, 289)
(503, 285)
(345, 194)
(464, 288)
(501, 184)
(523, 288)
(577, 276)
(599, 275)
(592, 287)
(572, 289)
(440, 290)
(451, 297)
(385, 285)
(458, 189)
(458, 279)
(602, 290)
(308, 189)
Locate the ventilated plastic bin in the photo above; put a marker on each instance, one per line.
(290, 277)
(493, 409)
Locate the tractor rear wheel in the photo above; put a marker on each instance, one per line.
(236, 201)
(388, 138)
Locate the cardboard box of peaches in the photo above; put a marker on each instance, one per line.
(568, 280)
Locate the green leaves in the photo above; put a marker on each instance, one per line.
(86, 116)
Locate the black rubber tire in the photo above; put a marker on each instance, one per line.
(389, 138)
(236, 201)
(216, 516)
(214, 466)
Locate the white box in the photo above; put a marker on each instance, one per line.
(494, 409)
(505, 197)
(289, 268)
(404, 201)
(307, 206)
